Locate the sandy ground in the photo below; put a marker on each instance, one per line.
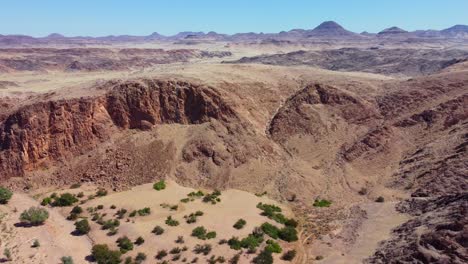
(359, 237)
(54, 236)
(234, 205)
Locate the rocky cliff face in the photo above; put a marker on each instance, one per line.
(48, 132)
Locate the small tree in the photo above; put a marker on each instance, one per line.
(34, 216)
(82, 227)
(65, 199)
(103, 255)
(5, 195)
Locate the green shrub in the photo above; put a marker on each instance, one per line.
(270, 230)
(157, 230)
(125, 244)
(180, 240)
(239, 224)
(133, 213)
(77, 210)
(103, 255)
(273, 212)
(46, 201)
(34, 216)
(121, 213)
(82, 227)
(5, 195)
(234, 243)
(175, 250)
(171, 222)
(65, 199)
(67, 260)
(197, 194)
(160, 185)
(251, 241)
(212, 198)
(289, 255)
(110, 224)
(273, 247)
(145, 211)
(185, 200)
(199, 232)
(322, 203)
(101, 192)
(211, 235)
(265, 257)
(288, 234)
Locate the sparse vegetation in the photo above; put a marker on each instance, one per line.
(273, 247)
(288, 234)
(34, 216)
(202, 249)
(273, 212)
(139, 241)
(160, 185)
(212, 198)
(322, 203)
(192, 218)
(240, 224)
(180, 240)
(270, 230)
(140, 257)
(101, 192)
(65, 199)
(110, 224)
(5, 195)
(144, 212)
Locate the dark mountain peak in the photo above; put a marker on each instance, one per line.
(329, 25)
(392, 30)
(55, 35)
(330, 29)
(457, 29)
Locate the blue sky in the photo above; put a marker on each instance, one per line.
(142, 17)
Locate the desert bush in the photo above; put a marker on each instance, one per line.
(139, 241)
(180, 240)
(171, 222)
(75, 186)
(82, 227)
(110, 224)
(239, 224)
(67, 260)
(36, 244)
(288, 234)
(176, 257)
(145, 211)
(112, 231)
(322, 203)
(235, 259)
(100, 207)
(234, 243)
(160, 185)
(113, 206)
(80, 195)
(185, 200)
(103, 255)
(291, 222)
(7, 254)
(65, 199)
(133, 213)
(380, 199)
(175, 250)
(77, 210)
(202, 249)
(125, 244)
(270, 230)
(251, 241)
(265, 257)
(121, 213)
(101, 192)
(46, 201)
(273, 247)
(5, 195)
(140, 257)
(212, 198)
(161, 254)
(34, 216)
(363, 191)
(201, 233)
(289, 255)
(319, 257)
(197, 194)
(157, 230)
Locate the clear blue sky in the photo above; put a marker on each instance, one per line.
(142, 17)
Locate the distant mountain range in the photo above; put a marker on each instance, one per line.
(327, 30)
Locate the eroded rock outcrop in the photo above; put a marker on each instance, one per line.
(48, 132)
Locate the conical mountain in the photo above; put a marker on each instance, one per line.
(330, 29)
